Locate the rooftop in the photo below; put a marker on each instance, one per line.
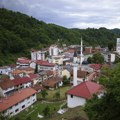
(85, 89)
(15, 98)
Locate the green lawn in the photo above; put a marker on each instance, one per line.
(38, 107)
(71, 113)
(51, 93)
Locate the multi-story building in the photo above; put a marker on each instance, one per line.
(118, 46)
(18, 101)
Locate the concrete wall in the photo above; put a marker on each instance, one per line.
(74, 101)
(27, 102)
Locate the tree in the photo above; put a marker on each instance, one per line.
(4, 117)
(57, 95)
(65, 80)
(110, 46)
(107, 107)
(44, 93)
(46, 111)
(98, 58)
(89, 59)
(36, 69)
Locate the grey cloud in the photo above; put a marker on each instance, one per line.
(70, 13)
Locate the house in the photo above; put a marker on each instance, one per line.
(53, 50)
(20, 83)
(95, 67)
(81, 76)
(27, 70)
(109, 57)
(38, 88)
(66, 73)
(53, 83)
(17, 102)
(6, 86)
(16, 74)
(78, 95)
(44, 65)
(88, 50)
(57, 60)
(5, 70)
(34, 78)
(118, 46)
(37, 55)
(46, 75)
(23, 62)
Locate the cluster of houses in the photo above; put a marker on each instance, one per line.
(19, 82)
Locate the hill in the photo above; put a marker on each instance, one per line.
(19, 33)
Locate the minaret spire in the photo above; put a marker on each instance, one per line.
(81, 52)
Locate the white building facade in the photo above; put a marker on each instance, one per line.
(19, 101)
(74, 101)
(118, 46)
(53, 50)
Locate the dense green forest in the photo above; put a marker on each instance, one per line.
(108, 107)
(19, 33)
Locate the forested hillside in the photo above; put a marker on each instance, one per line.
(19, 33)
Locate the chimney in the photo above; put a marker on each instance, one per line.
(75, 74)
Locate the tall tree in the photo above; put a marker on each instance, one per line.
(46, 111)
(107, 107)
(98, 58)
(44, 93)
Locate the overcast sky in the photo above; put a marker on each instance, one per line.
(70, 13)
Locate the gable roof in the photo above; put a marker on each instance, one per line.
(96, 66)
(52, 82)
(22, 80)
(6, 83)
(45, 63)
(15, 98)
(33, 76)
(85, 89)
(80, 74)
(24, 61)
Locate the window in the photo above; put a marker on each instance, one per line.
(33, 95)
(28, 98)
(10, 107)
(71, 96)
(16, 110)
(33, 100)
(11, 113)
(23, 106)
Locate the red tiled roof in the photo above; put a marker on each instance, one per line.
(80, 74)
(96, 66)
(85, 89)
(19, 81)
(24, 61)
(44, 63)
(16, 98)
(37, 87)
(32, 76)
(51, 82)
(6, 83)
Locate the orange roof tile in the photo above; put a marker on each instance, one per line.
(16, 98)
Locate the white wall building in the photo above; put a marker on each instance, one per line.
(6, 87)
(5, 70)
(37, 55)
(118, 46)
(78, 95)
(17, 102)
(53, 50)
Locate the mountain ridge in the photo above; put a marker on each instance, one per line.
(19, 33)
